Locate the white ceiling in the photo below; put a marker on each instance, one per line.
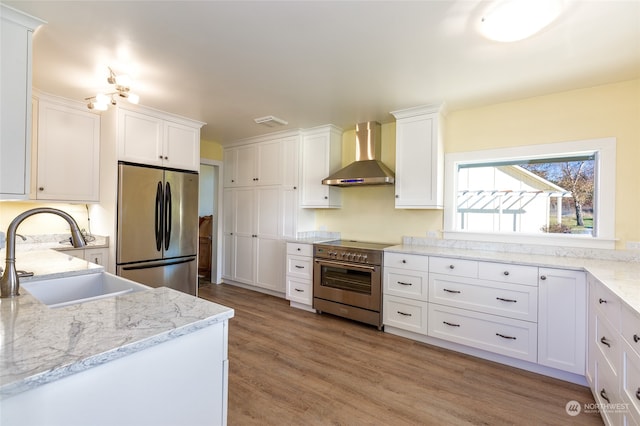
(318, 62)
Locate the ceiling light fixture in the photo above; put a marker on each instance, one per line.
(122, 83)
(270, 121)
(514, 20)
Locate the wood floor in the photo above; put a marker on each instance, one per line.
(292, 367)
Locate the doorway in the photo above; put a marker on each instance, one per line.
(209, 231)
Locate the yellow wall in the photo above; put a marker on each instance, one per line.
(210, 150)
(604, 111)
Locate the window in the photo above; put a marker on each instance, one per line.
(539, 194)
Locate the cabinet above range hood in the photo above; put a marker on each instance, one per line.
(367, 169)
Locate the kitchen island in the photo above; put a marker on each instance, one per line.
(151, 357)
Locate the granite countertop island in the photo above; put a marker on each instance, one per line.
(40, 345)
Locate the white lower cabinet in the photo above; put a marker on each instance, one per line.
(522, 315)
(99, 256)
(613, 363)
(299, 278)
(562, 324)
(500, 335)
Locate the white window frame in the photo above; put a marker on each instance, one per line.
(605, 186)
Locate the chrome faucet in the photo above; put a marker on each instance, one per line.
(9, 284)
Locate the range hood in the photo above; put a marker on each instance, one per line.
(367, 169)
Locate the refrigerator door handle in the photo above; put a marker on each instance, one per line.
(167, 216)
(159, 264)
(159, 213)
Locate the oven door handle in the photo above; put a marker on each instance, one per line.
(345, 265)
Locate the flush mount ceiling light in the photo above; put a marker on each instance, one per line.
(271, 121)
(514, 20)
(121, 89)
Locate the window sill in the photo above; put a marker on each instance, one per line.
(557, 240)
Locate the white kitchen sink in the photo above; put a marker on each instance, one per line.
(59, 292)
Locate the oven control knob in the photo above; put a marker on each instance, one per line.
(349, 256)
(364, 258)
(358, 257)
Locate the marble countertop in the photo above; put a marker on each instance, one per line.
(40, 345)
(621, 277)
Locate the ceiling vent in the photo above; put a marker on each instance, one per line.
(271, 121)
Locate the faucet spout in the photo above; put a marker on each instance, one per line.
(9, 283)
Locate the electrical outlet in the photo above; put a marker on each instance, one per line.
(633, 245)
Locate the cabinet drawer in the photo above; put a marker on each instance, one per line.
(300, 249)
(507, 300)
(631, 377)
(414, 262)
(407, 314)
(608, 342)
(300, 291)
(607, 303)
(631, 328)
(508, 273)
(514, 338)
(606, 391)
(450, 266)
(404, 283)
(298, 266)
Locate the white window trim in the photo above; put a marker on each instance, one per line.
(605, 192)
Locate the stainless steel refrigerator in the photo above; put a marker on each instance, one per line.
(157, 239)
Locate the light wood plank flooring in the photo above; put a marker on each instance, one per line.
(292, 367)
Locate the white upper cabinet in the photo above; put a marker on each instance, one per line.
(321, 156)
(66, 145)
(148, 137)
(15, 102)
(419, 158)
(254, 164)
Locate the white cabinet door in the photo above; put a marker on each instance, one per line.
(562, 320)
(321, 156)
(245, 165)
(67, 148)
(15, 102)
(419, 159)
(268, 163)
(181, 149)
(230, 178)
(151, 139)
(139, 138)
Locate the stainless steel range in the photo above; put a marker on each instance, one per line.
(347, 280)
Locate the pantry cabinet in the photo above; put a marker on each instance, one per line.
(252, 237)
(419, 180)
(150, 137)
(321, 155)
(251, 165)
(66, 145)
(15, 102)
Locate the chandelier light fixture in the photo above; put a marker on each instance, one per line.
(121, 90)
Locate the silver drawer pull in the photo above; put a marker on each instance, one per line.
(301, 291)
(604, 396)
(506, 300)
(451, 324)
(299, 267)
(403, 283)
(404, 313)
(604, 341)
(451, 291)
(505, 336)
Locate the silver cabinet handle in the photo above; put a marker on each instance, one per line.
(403, 283)
(450, 324)
(451, 291)
(506, 300)
(604, 341)
(404, 314)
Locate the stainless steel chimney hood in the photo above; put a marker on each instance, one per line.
(367, 169)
